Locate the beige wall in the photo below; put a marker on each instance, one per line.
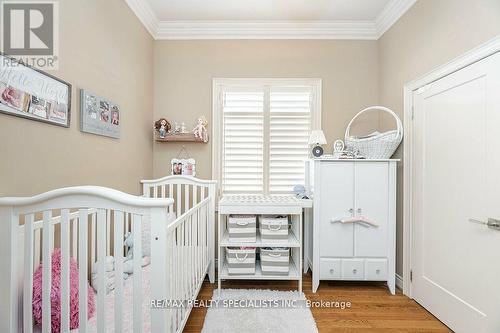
(430, 34)
(103, 48)
(184, 71)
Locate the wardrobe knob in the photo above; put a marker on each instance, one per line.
(378, 271)
(331, 271)
(351, 210)
(354, 271)
(359, 210)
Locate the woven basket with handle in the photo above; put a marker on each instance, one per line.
(378, 145)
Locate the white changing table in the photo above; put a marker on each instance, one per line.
(256, 205)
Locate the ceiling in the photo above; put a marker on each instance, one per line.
(265, 10)
(268, 19)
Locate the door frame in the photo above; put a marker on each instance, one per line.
(487, 49)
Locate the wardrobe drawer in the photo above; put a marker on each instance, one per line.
(376, 269)
(330, 269)
(353, 269)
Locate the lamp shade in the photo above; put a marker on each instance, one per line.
(317, 138)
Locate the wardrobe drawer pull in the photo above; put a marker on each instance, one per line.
(331, 271)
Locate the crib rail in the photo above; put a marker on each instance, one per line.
(80, 209)
(190, 254)
(187, 192)
(188, 257)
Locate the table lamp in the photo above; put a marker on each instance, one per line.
(317, 138)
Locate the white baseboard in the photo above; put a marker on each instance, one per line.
(399, 282)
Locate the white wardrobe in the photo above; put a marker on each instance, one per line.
(353, 231)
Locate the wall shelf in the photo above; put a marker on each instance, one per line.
(177, 137)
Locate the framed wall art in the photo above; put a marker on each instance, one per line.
(99, 115)
(33, 94)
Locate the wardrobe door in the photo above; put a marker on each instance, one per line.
(336, 184)
(372, 202)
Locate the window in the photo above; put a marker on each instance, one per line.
(261, 132)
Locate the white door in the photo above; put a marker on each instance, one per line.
(456, 170)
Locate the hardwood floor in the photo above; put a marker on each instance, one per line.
(373, 308)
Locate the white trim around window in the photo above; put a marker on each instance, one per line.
(223, 85)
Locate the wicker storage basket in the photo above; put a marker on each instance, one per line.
(378, 145)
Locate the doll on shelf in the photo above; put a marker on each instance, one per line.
(200, 131)
(162, 126)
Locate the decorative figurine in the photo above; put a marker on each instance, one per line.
(183, 128)
(200, 131)
(163, 127)
(177, 128)
(300, 192)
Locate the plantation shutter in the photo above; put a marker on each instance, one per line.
(290, 126)
(265, 132)
(243, 141)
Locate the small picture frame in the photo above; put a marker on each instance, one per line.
(338, 149)
(184, 167)
(99, 115)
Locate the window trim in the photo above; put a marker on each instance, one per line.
(217, 104)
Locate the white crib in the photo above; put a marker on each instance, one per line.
(87, 223)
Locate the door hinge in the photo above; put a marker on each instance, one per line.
(411, 276)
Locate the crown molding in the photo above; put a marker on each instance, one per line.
(145, 14)
(391, 13)
(185, 30)
(265, 30)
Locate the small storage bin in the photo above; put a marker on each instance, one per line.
(275, 261)
(242, 228)
(240, 261)
(274, 228)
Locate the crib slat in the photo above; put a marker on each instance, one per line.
(28, 274)
(198, 246)
(82, 267)
(137, 312)
(118, 253)
(75, 238)
(195, 195)
(108, 232)
(192, 265)
(65, 283)
(47, 271)
(102, 226)
(186, 198)
(170, 195)
(163, 191)
(93, 233)
(37, 249)
(178, 273)
(183, 255)
(178, 199)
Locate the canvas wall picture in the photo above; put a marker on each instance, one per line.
(99, 115)
(30, 93)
